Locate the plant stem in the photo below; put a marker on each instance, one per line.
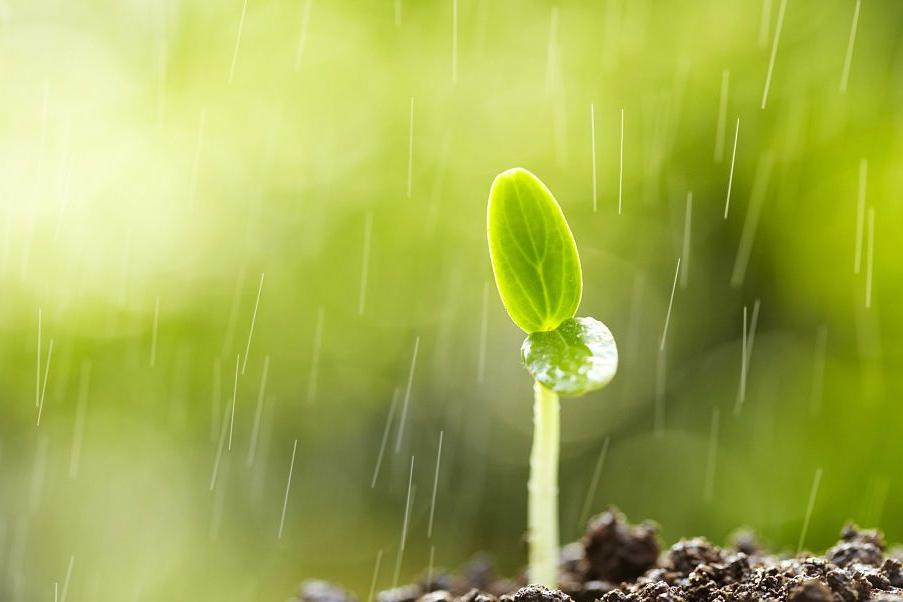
(543, 489)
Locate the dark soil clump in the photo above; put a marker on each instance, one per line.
(615, 551)
(619, 562)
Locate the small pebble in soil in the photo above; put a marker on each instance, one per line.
(321, 591)
(619, 562)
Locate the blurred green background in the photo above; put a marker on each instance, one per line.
(168, 166)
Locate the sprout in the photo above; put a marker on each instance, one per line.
(538, 275)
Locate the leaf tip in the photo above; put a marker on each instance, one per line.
(509, 176)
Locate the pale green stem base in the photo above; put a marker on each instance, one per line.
(543, 489)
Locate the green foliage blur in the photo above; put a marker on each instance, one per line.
(164, 164)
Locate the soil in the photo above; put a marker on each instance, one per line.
(619, 562)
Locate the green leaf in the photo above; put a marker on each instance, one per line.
(534, 257)
(578, 356)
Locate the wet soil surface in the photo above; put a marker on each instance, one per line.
(619, 562)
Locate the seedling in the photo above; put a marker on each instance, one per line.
(539, 278)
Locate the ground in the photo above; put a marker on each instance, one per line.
(619, 562)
